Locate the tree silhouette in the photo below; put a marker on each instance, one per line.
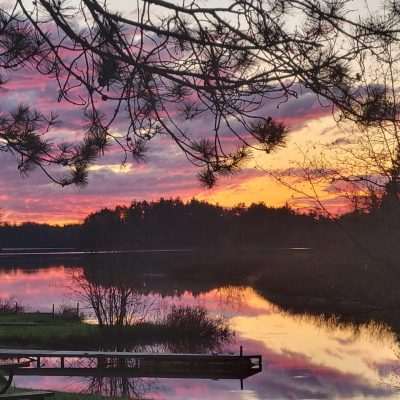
(116, 305)
(365, 166)
(173, 224)
(167, 66)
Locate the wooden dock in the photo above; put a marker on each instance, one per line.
(131, 364)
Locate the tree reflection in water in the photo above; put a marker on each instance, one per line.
(127, 317)
(121, 386)
(232, 296)
(116, 303)
(110, 384)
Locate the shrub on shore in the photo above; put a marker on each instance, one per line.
(196, 322)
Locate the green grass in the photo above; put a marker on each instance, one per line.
(47, 335)
(48, 331)
(185, 329)
(37, 317)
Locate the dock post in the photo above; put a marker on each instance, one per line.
(54, 312)
(241, 384)
(38, 362)
(241, 351)
(62, 362)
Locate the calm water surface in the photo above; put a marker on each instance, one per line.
(304, 357)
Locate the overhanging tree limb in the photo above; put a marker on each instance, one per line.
(170, 65)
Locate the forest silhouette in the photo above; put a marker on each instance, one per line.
(198, 225)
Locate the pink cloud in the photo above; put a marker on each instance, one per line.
(166, 173)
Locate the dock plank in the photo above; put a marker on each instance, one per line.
(192, 373)
(115, 363)
(115, 354)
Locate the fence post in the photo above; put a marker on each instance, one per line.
(54, 314)
(16, 306)
(77, 308)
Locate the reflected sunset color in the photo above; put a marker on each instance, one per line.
(39, 289)
(304, 356)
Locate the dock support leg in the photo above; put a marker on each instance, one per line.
(62, 362)
(8, 383)
(241, 384)
(38, 362)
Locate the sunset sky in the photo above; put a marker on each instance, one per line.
(165, 172)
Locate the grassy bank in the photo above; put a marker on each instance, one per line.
(182, 329)
(42, 330)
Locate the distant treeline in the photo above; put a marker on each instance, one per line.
(39, 235)
(172, 223)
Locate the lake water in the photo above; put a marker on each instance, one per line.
(304, 357)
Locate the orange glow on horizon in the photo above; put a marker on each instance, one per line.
(251, 186)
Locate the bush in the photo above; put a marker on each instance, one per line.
(196, 322)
